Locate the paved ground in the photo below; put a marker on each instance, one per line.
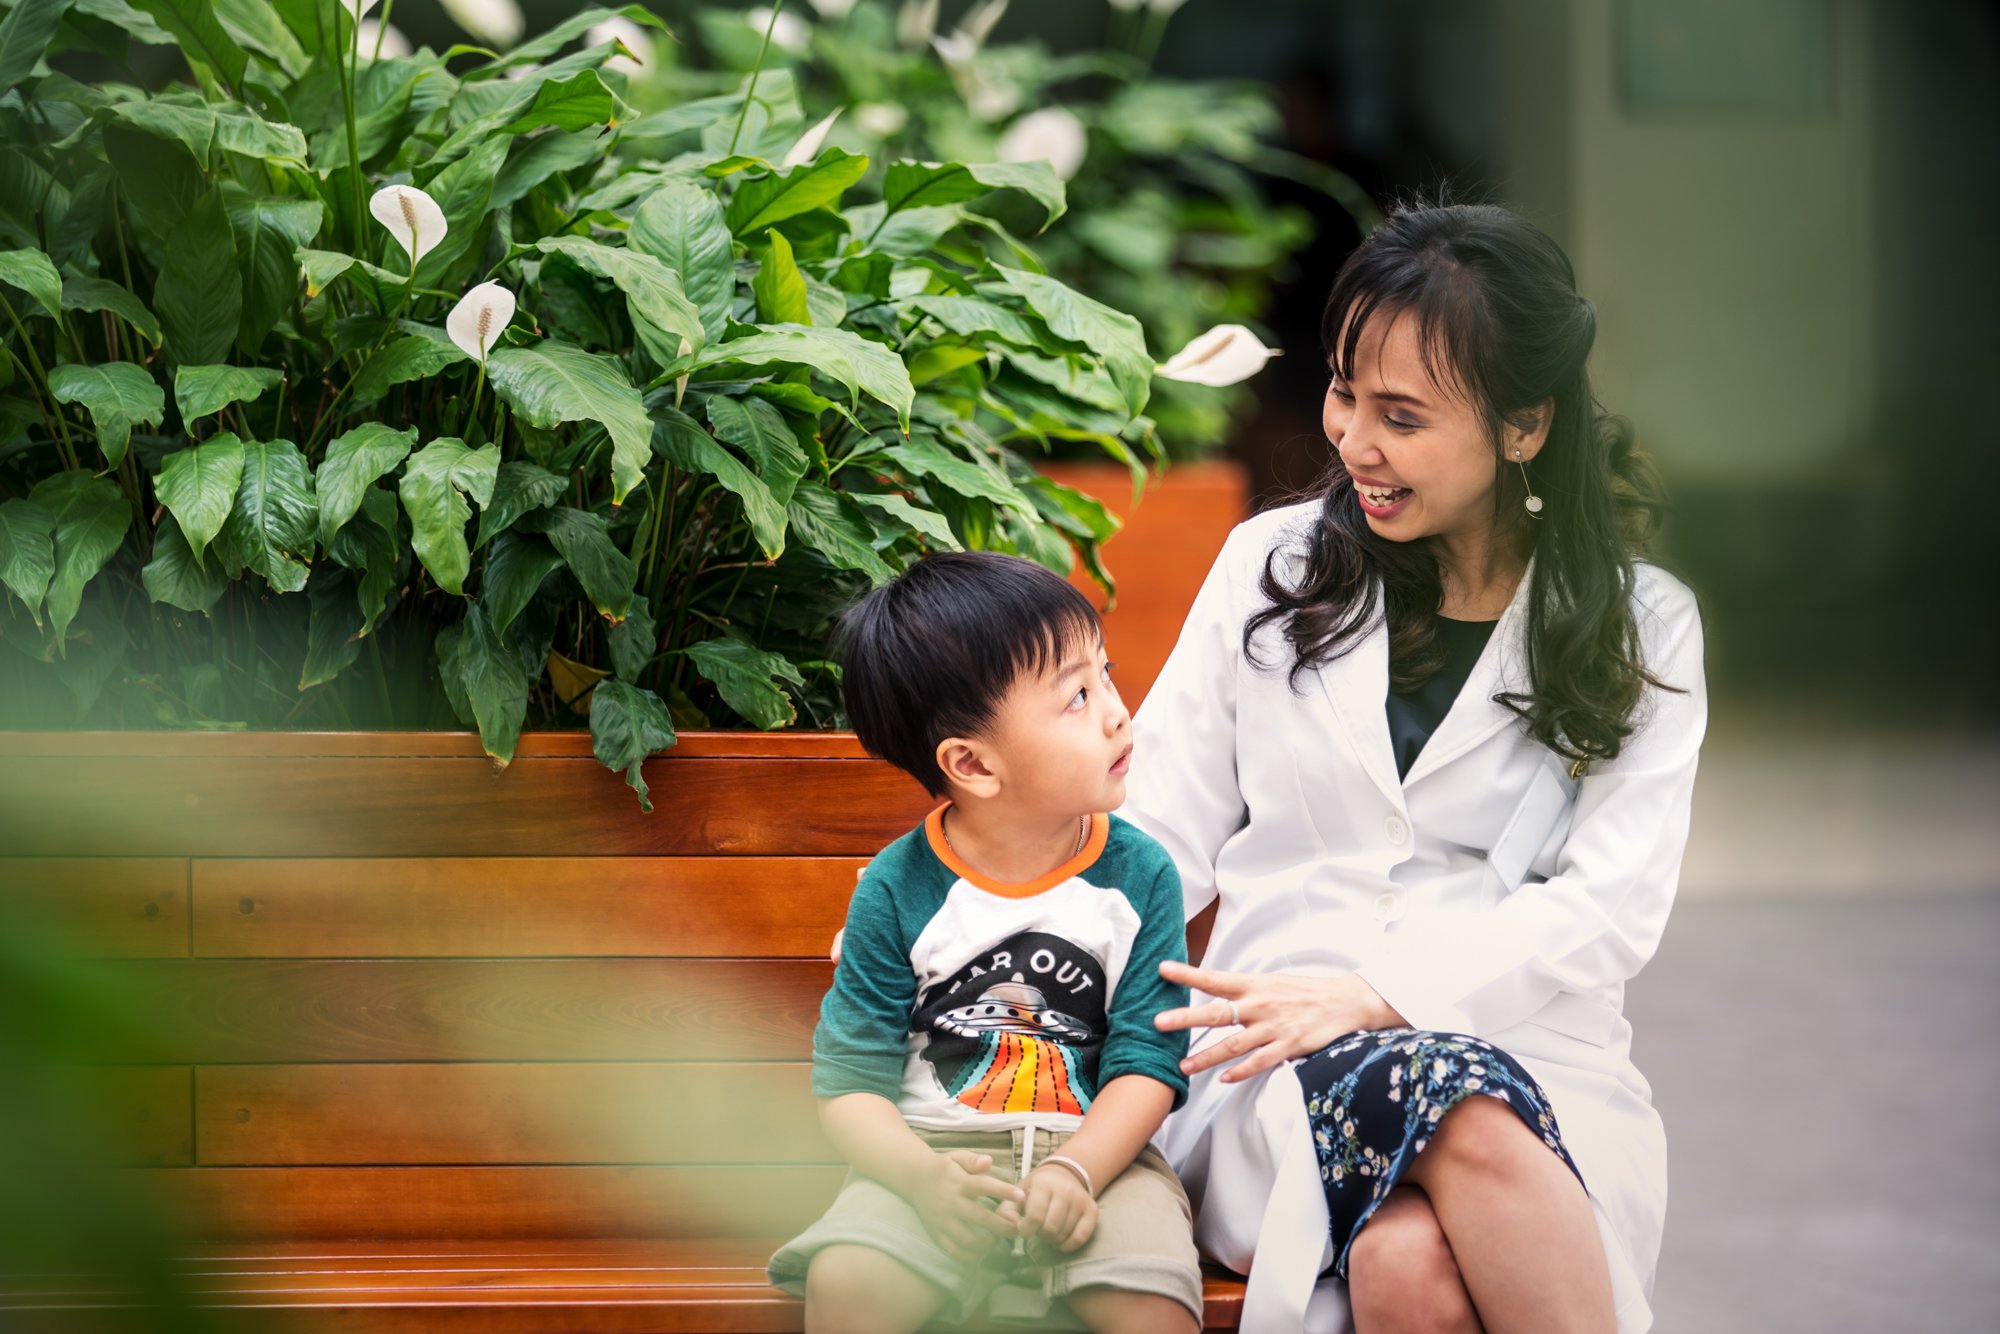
(1829, 1071)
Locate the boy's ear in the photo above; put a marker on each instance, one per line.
(963, 762)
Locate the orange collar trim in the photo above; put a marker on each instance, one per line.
(1093, 848)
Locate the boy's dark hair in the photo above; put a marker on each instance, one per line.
(930, 654)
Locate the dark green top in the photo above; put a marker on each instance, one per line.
(1414, 716)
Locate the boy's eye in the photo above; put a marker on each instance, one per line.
(1082, 693)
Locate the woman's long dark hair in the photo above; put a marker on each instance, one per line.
(1499, 321)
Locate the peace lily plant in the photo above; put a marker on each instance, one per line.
(346, 385)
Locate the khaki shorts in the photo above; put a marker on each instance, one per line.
(1144, 1240)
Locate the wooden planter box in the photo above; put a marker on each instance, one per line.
(1161, 555)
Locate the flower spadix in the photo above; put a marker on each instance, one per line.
(1226, 354)
(411, 216)
(479, 318)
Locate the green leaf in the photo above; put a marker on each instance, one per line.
(928, 522)
(275, 516)
(514, 569)
(199, 294)
(661, 313)
(203, 39)
(333, 634)
(748, 678)
(834, 526)
(31, 271)
(268, 235)
(27, 552)
(101, 294)
(435, 484)
(411, 357)
(367, 545)
(495, 685)
(682, 442)
(199, 485)
(554, 382)
(1111, 334)
(352, 464)
(770, 199)
(779, 287)
(570, 102)
(633, 641)
(200, 390)
(575, 26)
(606, 573)
(628, 723)
(24, 35)
(532, 161)
(90, 520)
(761, 431)
(179, 115)
(118, 395)
(853, 361)
(681, 225)
(521, 487)
(241, 130)
(463, 191)
(927, 458)
(175, 577)
(929, 184)
(970, 317)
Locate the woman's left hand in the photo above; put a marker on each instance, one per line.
(1282, 1016)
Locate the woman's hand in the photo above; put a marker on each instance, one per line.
(1283, 1017)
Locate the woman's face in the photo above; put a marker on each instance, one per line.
(1421, 461)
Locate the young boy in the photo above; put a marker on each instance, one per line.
(986, 1059)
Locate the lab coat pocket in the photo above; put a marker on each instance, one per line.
(1541, 815)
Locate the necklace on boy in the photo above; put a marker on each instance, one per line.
(1082, 834)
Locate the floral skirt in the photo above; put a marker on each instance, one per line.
(1374, 1098)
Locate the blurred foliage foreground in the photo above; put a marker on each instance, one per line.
(341, 388)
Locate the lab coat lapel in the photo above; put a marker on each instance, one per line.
(1356, 689)
(1473, 715)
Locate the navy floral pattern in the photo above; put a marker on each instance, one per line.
(1374, 1098)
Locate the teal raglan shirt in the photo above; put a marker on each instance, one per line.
(978, 1004)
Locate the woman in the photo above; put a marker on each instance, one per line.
(1425, 749)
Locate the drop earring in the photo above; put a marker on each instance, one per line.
(1533, 502)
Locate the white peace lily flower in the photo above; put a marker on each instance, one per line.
(479, 318)
(1051, 135)
(1165, 6)
(1128, 6)
(411, 216)
(1226, 354)
(788, 33)
(881, 119)
(992, 101)
(383, 40)
(496, 21)
(980, 20)
(804, 150)
(833, 9)
(955, 49)
(916, 21)
(621, 29)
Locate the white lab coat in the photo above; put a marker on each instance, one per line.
(1487, 893)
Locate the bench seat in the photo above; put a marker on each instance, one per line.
(613, 1286)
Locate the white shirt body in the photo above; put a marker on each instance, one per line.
(1487, 893)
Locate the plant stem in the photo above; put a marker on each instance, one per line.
(750, 93)
(50, 409)
(353, 139)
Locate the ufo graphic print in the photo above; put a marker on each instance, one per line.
(1019, 1028)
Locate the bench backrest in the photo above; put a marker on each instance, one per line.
(391, 994)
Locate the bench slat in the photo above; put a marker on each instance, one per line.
(284, 1115)
(303, 806)
(290, 1011)
(495, 907)
(109, 907)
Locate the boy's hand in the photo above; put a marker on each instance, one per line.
(954, 1197)
(1059, 1212)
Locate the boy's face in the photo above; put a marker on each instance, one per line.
(1059, 745)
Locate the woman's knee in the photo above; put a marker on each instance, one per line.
(1401, 1272)
(1484, 1135)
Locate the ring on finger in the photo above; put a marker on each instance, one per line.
(1235, 1014)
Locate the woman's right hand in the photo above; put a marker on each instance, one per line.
(956, 1199)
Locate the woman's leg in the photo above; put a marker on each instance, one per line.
(860, 1290)
(1401, 1276)
(1520, 1226)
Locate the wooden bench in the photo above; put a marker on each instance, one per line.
(427, 1048)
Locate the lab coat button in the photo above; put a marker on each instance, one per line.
(1396, 829)
(1388, 906)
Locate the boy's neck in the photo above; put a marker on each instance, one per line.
(1008, 846)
